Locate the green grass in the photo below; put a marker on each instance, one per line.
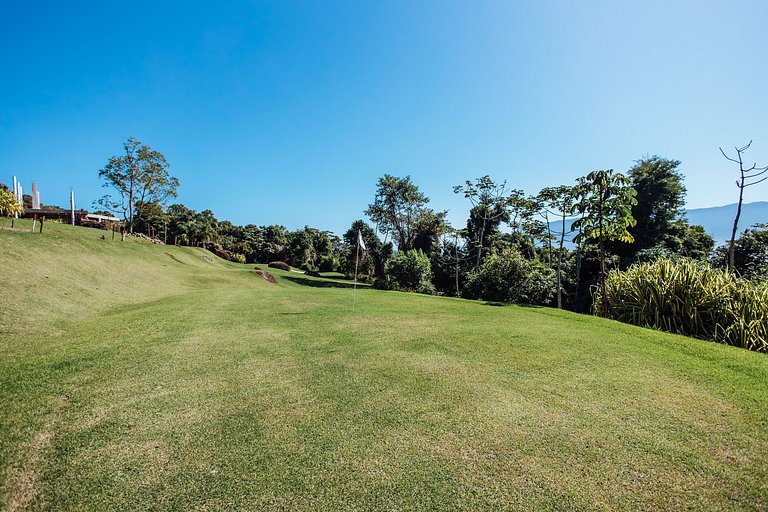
(136, 377)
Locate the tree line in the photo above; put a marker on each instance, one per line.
(551, 247)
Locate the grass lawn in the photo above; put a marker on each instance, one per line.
(136, 377)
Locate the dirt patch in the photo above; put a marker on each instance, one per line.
(23, 483)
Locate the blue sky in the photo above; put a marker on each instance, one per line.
(288, 112)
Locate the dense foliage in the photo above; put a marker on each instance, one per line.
(509, 277)
(692, 298)
(410, 271)
(139, 176)
(9, 205)
(750, 253)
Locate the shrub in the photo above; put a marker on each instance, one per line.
(410, 271)
(509, 277)
(279, 265)
(8, 203)
(237, 257)
(328, 263)
(219, 251)
(691, 298)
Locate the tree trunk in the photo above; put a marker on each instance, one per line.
(456, 252)
(603, 298)
(480, 248)
(731, 245)
(560, 266)
(549, 241)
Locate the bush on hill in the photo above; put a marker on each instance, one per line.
(691, 298)
(237, 257)
(410, 271)
(507, 276)
(279, 265)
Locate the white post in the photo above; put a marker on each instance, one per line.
(35, 197)
(357, 258)
(16, 193)
(72, 204)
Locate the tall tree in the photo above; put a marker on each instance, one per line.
(397, 208)
(605, 200)
(748, 176)
(371, 263)
(560, 202)
(430, 226)
(206, 227)
(489, 208)
(140, 176)
(660, 200)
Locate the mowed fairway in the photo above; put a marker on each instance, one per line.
(137, 377)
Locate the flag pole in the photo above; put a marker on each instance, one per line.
(357, 259)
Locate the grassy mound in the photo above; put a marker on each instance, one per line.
(136, 376)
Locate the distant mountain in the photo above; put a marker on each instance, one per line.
(718, 220)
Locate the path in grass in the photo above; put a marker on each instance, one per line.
(209, 388)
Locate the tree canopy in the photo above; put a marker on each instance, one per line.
(140, 177)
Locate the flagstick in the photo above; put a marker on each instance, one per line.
(357, 259)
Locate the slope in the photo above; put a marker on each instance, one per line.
(170, 382)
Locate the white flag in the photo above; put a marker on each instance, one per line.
(360, 240)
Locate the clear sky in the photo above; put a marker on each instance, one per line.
(288, 112)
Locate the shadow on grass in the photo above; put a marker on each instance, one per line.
(321, 283)
(504, 304)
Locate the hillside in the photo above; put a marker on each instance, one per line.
(135, 376)
(717, 220)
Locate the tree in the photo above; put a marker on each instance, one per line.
(428, 229)
(691, 241)
(449, 265)
(206, 227)
(410, 271)
(152, 218)
(9, 204)
(140, 177)
(605, 200)
(397, 208)
(489, 200)
(750, 253)
(748, 176)
(371, 264)
(559, 201)
(507, 276)
(660, 200)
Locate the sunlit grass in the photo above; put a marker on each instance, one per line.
(163, 381)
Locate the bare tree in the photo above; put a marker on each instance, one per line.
(560, 202)
(748, 176)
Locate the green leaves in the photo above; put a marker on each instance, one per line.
(9, 205)
(692, 298)
(140, 176)
(605, 201)
(397, 207)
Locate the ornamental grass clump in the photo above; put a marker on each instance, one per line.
(691, 298)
